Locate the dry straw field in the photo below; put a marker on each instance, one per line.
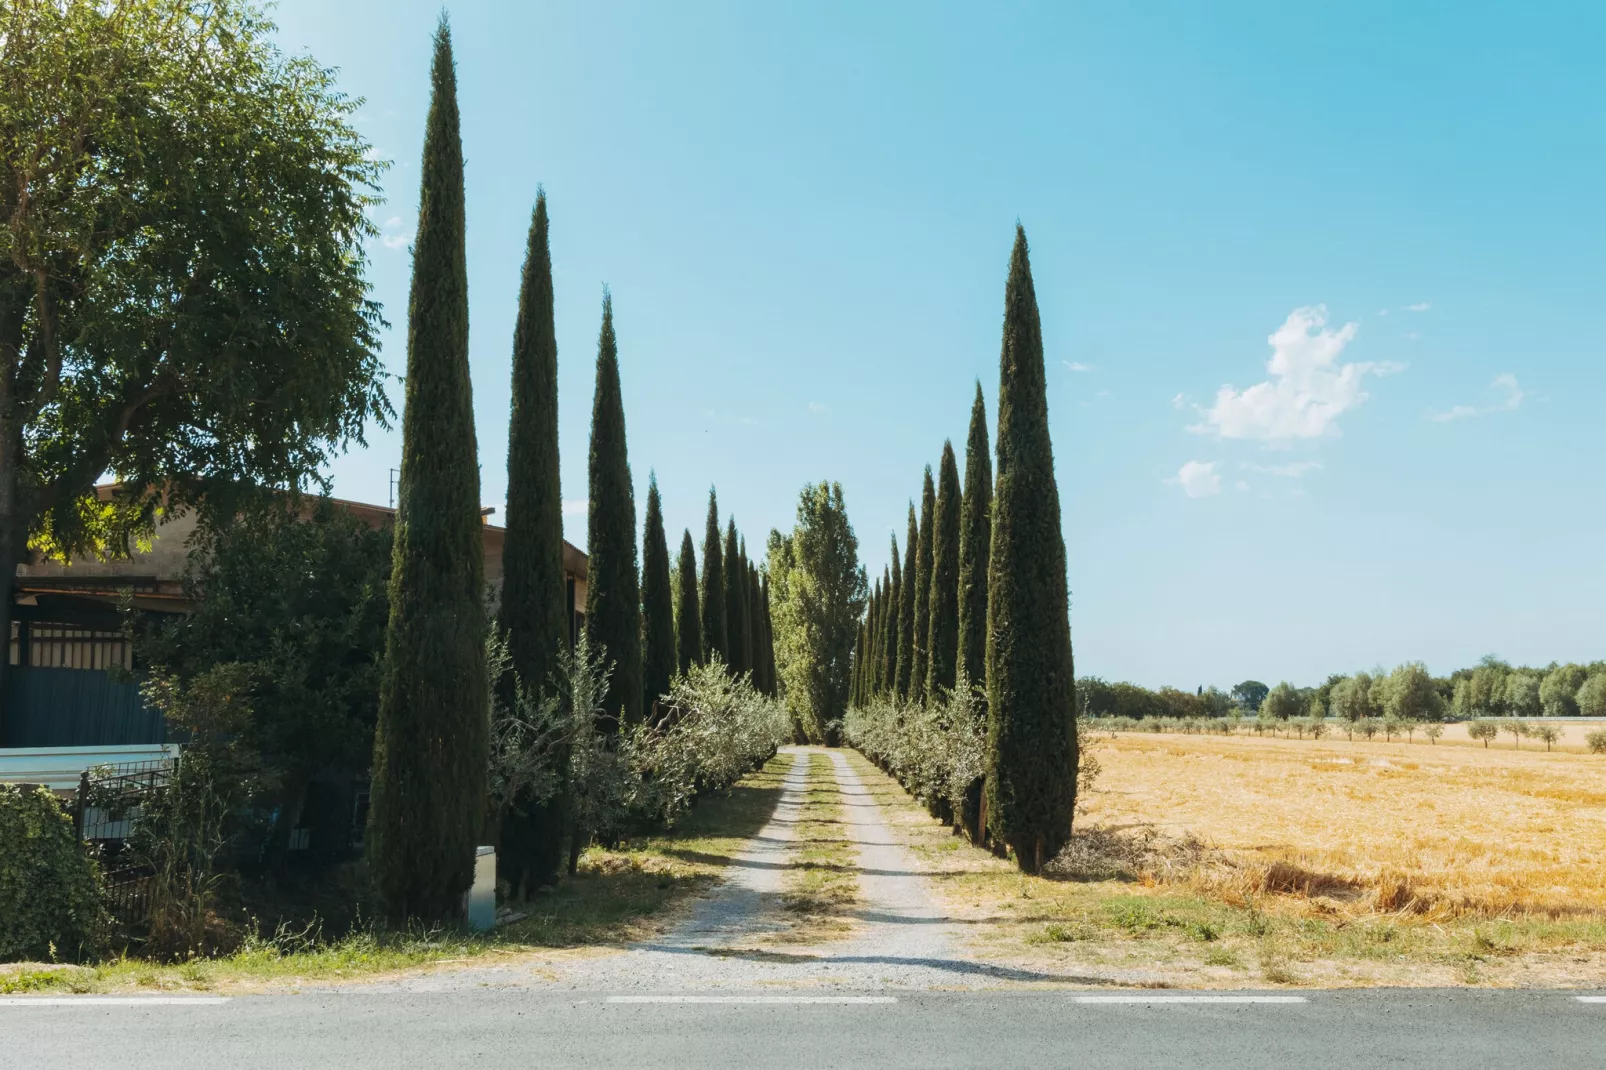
(1435, 830)
(1238, 861)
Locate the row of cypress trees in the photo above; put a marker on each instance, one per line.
(431, 753)
(927, 618)
(983, 588)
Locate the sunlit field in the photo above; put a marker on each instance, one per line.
(1433, 829)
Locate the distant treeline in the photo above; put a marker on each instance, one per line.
(1492, 688)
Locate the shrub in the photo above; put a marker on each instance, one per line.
(1368, 726)
(1596, 741)
(1433, 730)
(50, 903)
(1483, 731)
(1549, 733)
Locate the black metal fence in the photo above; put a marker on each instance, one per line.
(108, 804)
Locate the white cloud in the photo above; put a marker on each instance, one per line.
(1242, 485)
(1180, 401)
(815, 406)
(1420, 306)
(1077, 366)
(395, 237)
(1308, 389)
(577, 507)
(1504, 384)
(1292, 470)
(1198, 479)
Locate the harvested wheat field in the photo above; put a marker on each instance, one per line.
(1217, 862)
(1433, 830)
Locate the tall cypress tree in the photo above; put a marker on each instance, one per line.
(688, 618)
(755, 630)
(735, 654)
(885, 625)
(894, 623)
(928, 506)
(943, 630)
(613, 590)
(746, 606)
(1031, 685)
(872, 628)
(906, 610)
(713, 587)
(975, 532)
(769, 644)
(432, 740)
(534, 615)
(657, 605)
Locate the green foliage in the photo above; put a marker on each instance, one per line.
(657, 605)
(936, 751)
(1483, 731)
(1250, 694)
(819, 593)
(433, 737)
(613, 592)
(902, 688)
(1031, 686)
(892, 627)
(1558, 691)
(975, 540)
(713, 586)
(1282, 702)
(296, 597)
(923, 552)
(1522, 694)
(182, 292)
(50, 904)
(1408, 693)
(534, 614)
(735, 616)
(688, 617)
(1596, 741)
(184, 827)
(1591, 697)
(534, 607)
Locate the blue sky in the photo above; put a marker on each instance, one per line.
(1322, 286)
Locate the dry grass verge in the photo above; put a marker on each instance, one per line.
(823, 883)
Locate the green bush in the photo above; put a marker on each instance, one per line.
(50, 902)
(1596, 741)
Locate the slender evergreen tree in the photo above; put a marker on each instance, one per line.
(1031, 686)
(688, 618)
(943, 631)
(928, 506)
(755, 630)
(534, 615)
(975, 535)
(657, 605)
(713, 586)
(769, 644)
(885, 627)
(732, 597)
(894, 624)
(975, 531)
(872, 626)
(432, 740)
(613, 590)
(906, 610)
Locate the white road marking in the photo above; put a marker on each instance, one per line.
(1590, 999)
(112, 1001)
(752, 999)
(1190, 999)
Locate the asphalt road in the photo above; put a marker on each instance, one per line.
(526, 1028)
